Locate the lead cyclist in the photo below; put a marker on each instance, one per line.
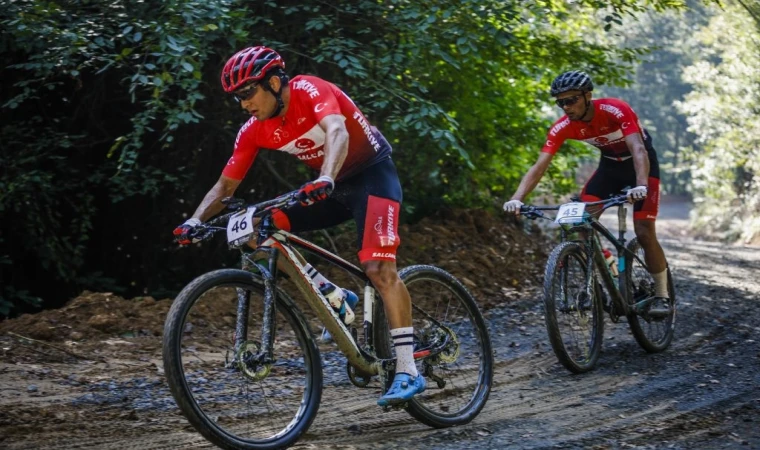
(319, 124)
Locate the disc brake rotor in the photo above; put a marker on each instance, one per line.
(247, 364)
(451, 352)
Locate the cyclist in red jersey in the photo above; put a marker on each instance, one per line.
(318, 123)
(627, 159)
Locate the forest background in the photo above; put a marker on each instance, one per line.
(113, 124)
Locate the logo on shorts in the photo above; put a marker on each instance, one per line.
(389, 229)
(383, 255)
(386, 234)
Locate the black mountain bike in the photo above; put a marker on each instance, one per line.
(575, 273)
(243, 364)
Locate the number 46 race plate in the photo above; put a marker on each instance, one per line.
(571, 213)
(240, 227)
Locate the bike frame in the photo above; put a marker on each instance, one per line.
(619, 293)
(275, 246)
(595, 258)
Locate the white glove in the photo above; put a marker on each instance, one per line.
(636, 194)
(513, 206)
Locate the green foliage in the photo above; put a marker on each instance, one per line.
(657, 84)
(114, 125)
(723, 114)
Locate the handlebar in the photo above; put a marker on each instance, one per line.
(209, 228)
(536, 212)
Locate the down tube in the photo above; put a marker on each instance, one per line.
(358, 358)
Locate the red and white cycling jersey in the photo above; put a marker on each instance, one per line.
(299, 133)
(613, 120)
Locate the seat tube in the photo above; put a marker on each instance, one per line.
(269, 319)
(369, 301)
(621, 222)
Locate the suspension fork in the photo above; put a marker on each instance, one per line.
(270, 295)
(241, 322)
(269, 275)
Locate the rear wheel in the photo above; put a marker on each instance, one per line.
(233, 400)
(573, 313)
(653, 321)
(451, 344)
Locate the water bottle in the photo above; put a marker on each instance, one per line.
(611, 261)
(342, 300)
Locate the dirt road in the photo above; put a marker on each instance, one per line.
(703, 392)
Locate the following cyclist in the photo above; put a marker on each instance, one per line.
(319, 124)
(627, 159)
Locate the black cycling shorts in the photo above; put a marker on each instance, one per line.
(612, 176)
(372, 198)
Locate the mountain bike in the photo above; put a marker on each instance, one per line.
(242, 362)
(575, 275)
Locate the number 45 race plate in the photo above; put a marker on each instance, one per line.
(240, 227)
(570, 213)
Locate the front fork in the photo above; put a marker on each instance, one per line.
(256, 358)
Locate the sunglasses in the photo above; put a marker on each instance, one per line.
(245, 93)
(569, 101)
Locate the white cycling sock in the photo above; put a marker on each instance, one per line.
(661, 284)
(318, 278)
(403, 342)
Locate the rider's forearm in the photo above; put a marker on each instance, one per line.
(211, 204)
(641, 165)
(528, 183)
(336, 150)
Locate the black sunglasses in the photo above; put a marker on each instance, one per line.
(245, 93)
(569, 101)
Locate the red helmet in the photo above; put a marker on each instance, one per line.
(249, 64)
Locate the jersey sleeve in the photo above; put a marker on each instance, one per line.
(244, 153)
(321, 100)
(622, 113)
(557, 135)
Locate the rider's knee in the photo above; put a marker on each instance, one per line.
(380, 273)
(645, 231)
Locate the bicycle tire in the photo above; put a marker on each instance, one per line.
(654, 336)
(563, 317)
(430, 285)
(184, 385)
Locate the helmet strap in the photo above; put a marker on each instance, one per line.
(277, 96)
(588, 103)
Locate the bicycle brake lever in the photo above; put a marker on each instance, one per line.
(233, 203)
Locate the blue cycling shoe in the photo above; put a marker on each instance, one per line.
(404, 387)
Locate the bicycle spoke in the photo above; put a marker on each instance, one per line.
(229, 400)
(573, 314)
(454, 351)
(654, 320)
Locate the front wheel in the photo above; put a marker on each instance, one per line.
(653, 324)
(573, 312)
(234, 399)
(451, 344)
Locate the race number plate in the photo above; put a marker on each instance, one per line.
(571, 213)
(240, 227)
